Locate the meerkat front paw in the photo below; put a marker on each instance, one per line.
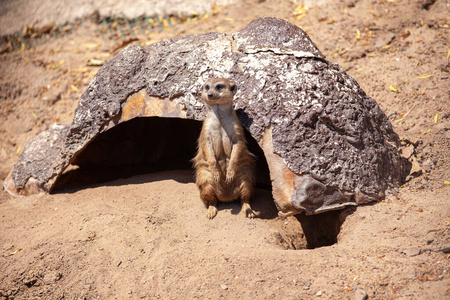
(230, 175)
(212, 211)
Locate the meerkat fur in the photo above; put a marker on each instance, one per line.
(224, 168)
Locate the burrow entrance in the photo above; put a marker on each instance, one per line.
(152, 144)
(145, 145)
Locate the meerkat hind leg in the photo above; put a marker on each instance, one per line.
(208, 195)
(246, 193)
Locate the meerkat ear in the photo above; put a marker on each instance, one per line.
(233, 88)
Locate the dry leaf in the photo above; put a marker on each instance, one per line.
(425, 76)
(146, 43)
(74, 88)
(91, 45)
(215, 9)
(446, 182)
(47, 28)
(399, 120)
(300, 10)
(12, 253)
(299, 17)
(95, 62)
(429, 129)
(393, 89)
(67, 28)
(83, 70)
(405, 115)
(57, 65)
(358, 34)
(166, 23)
(436, 118)
(92, 236)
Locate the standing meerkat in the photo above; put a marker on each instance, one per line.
(224, 168)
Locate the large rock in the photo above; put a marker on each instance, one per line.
(327, 144)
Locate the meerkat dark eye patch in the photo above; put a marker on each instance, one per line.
(207, 87)
(220, 87)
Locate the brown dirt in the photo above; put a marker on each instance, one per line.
(147, 236)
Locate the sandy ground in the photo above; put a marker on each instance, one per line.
(147, 236)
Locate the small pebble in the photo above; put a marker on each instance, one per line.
(445, 250)
(361, 295)
(319, 293)
(224, 287)
(411, 251)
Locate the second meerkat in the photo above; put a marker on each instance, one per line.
(224, 168)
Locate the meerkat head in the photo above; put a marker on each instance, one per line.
(217, 91)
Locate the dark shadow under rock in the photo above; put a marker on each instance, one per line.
(323, 229)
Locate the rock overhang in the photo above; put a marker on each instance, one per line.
(327, 144)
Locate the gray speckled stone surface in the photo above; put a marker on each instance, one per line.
(323, 125)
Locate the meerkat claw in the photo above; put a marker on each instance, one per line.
(249, 213)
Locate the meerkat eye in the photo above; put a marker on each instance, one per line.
(207, 87)
(220, 87)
